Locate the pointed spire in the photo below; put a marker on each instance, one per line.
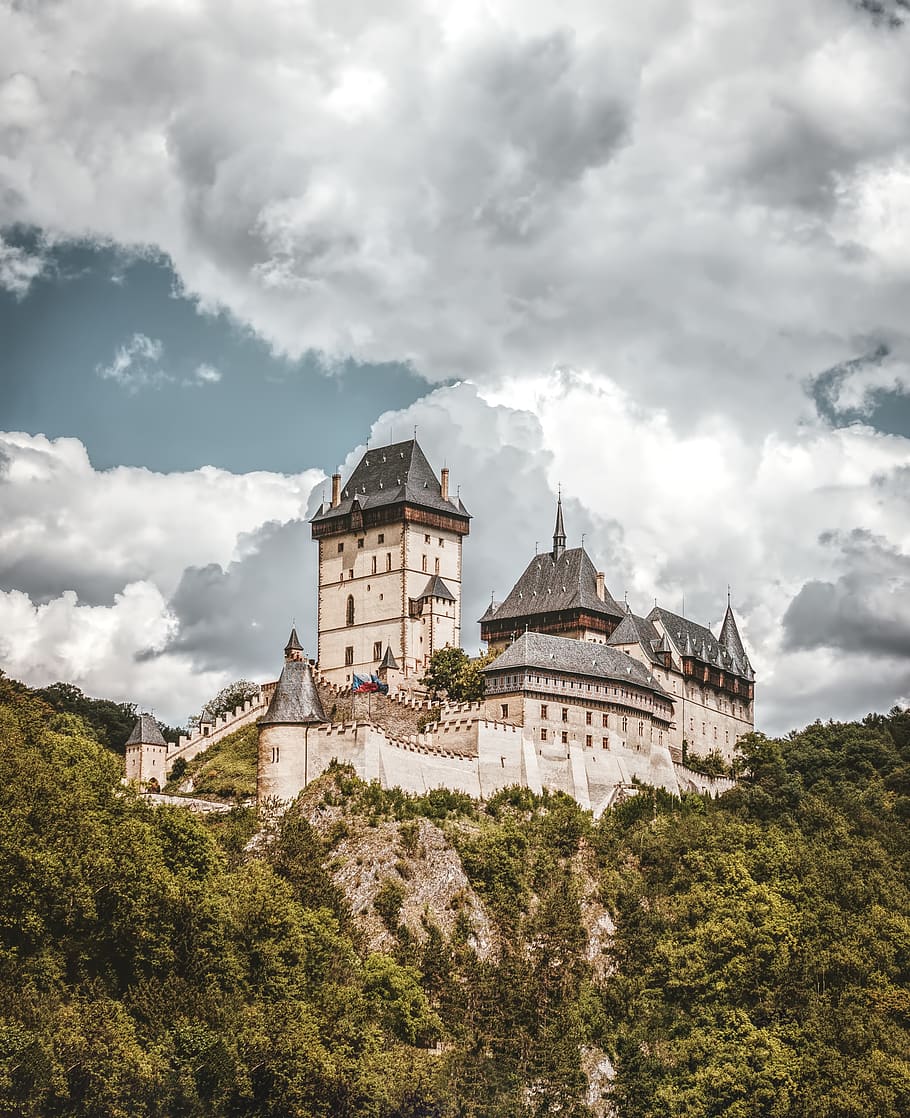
(293, 650)
(729, 634)
(559, 535)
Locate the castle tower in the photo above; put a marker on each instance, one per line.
(283, 764)
(389, 565)
(559, 593)
(146, 753)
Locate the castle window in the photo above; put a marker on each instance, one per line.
(442, 542)
(426, 539)
(504, 707)
(565, 737)
(437, 566)
(606, 743)
(360, 544)
(625, 724)
(351, 573)
(703, 730)
(543, 733)
(374, 564)
(565, 714)
(727, 737)
(606, 723)
(543, 710)
(424, 561)
(589, 717)
(349, 612)
(641, 729)
(715, 733)
(349, 656)
(660, 737)
(341, 548)
(388, 560)
(589, 741)
(377, 650)
(381, 537)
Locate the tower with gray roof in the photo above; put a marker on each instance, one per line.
(560, 592)
(390, 553)
(146, 754)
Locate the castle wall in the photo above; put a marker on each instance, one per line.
(145, 762)
(251, 711)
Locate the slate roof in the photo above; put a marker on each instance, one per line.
(489, 611)
(729, 635)
(436, 588)
(392, 475)
(295, 699)
(548, 585)
(146, 732)
(581, 658)
(691, 639)
(293, 644)
(638, 630)
(388, 660)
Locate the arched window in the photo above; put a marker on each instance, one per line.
(349, 612)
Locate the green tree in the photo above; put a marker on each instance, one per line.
(234, 695)
(453, 673)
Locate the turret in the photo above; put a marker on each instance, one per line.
(293, 650)
(146, 754)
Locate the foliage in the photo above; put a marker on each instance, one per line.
(110, 723)
(152, 962)
(224, 771)
(227, 699)
(457, 676)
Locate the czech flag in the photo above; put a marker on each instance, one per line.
(382, 688)
(364, 685)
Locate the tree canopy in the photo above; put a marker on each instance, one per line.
(456, 675)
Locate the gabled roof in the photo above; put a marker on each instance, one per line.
(638, 630)
(392, 475)
(436, 588)
(581, 658)
(388, 661)
(295, 699)
(146, 732)
(548, 585)
(693, 640)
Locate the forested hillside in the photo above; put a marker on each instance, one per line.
(377, 954)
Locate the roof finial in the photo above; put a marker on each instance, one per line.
(415, 432)
(559, 535)
(728, 595)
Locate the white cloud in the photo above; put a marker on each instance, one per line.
(135, 364)
(693, 199)
(19, 268)
(207, 374)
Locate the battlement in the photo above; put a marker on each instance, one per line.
(206, 734)
(691, 781)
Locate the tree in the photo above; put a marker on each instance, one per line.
(452, 671)
(234, 695)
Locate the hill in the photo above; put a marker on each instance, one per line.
(371, 953)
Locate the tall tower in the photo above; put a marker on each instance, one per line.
(389, 565)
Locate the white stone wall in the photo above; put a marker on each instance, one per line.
(143, 762)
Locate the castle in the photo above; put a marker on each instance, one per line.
(585, 696)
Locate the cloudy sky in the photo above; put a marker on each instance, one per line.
(658, 253)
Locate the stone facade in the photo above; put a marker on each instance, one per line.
(389, 567)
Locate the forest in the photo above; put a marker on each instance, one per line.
(745, 956)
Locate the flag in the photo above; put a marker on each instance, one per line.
(363, 685)
(382, 688)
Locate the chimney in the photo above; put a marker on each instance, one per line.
(444, 477)
(336, 490)
(600, 585)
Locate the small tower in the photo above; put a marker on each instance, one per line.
(284, 763)
(146, 754)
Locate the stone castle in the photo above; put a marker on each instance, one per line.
(584, 696)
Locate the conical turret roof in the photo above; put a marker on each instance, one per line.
(296, 699)
(146, 732)
(559, 532)
(389, 663)
(729, 635)
(293, 644)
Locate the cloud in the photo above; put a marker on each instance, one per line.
(853, 389)
(135, 364)
(696, 199)
(19, 268)
(206, 374)
(865, 610)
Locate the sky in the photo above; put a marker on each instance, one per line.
(657, 255)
